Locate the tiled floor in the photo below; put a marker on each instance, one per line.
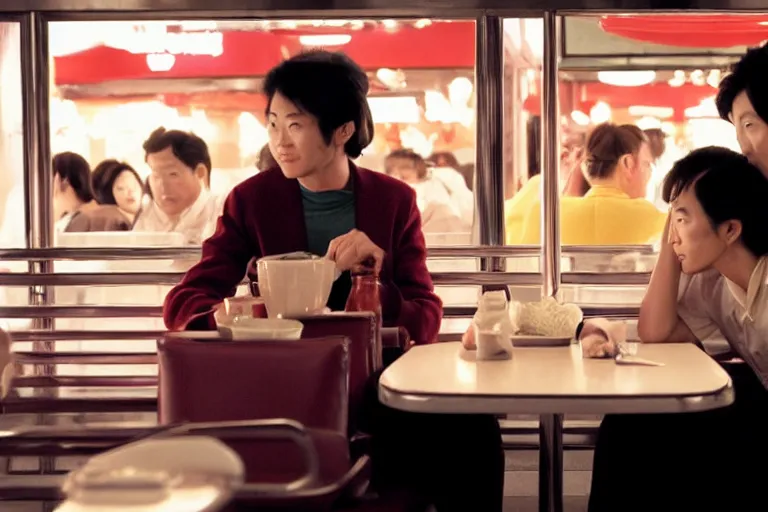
(521, 480)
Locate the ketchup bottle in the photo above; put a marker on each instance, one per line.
(365, 296)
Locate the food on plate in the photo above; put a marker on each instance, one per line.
(548, 318)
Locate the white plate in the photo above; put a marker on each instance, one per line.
(525, 340)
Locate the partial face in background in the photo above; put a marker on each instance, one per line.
(695, 241)
(636, 172)
(175, 187)
(404, 169)
(295, 139)
(751, 131)
(127, 192)
(60, 197)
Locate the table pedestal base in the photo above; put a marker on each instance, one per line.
(551, 463)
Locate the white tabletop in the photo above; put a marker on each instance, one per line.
(440, 378)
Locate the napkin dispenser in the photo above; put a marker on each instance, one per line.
(493, 327)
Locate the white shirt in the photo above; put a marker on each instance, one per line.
(195, 223)
(460, 195)
(708, 302)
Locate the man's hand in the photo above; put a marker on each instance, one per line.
(468, 340)
(354, 251)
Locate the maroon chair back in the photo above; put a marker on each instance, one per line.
(249, 380)
(303, 380)
(360, 329)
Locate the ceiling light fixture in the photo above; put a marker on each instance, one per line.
(626, 78)
(325, 39)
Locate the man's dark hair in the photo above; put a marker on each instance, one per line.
(330, 87)
(104, 176)
(74, 169)
(187, 147)
(728, 187)
(750, 74)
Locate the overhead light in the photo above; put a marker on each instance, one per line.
(600, 113)
(648, 123)
(393, 79)
(706, 109)
(460, 91)
(580, 118)
(643, 111)
(159, 62)
(678, 79)
(394, 109)
(697, 78)
(626, 78)
(714, 77)
(325, 39)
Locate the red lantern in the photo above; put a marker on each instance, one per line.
(691, 31)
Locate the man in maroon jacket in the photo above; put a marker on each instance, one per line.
(317, 200)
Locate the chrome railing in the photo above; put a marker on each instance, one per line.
(479, 278)
(164, 253)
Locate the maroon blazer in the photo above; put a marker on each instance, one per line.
(264, 216)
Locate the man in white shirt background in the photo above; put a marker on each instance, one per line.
(181, 201)
(711, 276)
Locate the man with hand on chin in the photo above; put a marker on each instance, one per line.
(711, 275)
(317, 200)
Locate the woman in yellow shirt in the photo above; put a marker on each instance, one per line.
(614, 211)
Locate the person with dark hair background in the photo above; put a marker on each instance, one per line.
(74, 207)
(318, 200)
(179, 185)
(117, 183)
(742, 100)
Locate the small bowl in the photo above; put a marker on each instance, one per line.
(249, 328)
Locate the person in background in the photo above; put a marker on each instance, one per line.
(74, 207)
(446, 159)
(445, 168)
(440, 213)
(573, 185)
(266, 161)
(717, 237)
(118, 184)
(657, 141)
(743, 101)
(614, 211)
(317, 200)
(179, 184)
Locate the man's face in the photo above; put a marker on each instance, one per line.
(175, 187)
(403, 169)
(640, 173)
(696, 243)
(751, 131)
(295, 139)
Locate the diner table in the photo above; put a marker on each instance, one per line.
(551, 382)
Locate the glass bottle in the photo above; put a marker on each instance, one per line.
(365, 296)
